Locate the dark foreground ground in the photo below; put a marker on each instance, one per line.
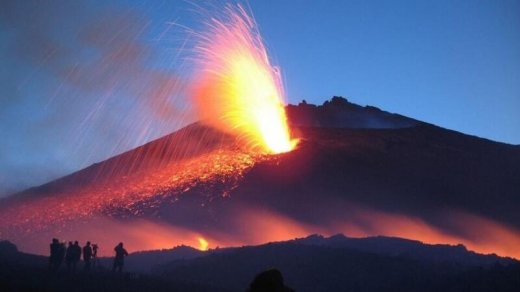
(37, 279)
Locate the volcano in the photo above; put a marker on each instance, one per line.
(357, 170)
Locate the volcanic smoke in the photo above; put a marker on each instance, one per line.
(236, 89)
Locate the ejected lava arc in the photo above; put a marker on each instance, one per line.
(235, 87)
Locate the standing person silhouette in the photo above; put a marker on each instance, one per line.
(87, 255)
(94, 255)
(55, 255)
(60, 255)
(76, 255)
(119, 260)
(69, 256)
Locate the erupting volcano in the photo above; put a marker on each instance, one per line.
(357, 170)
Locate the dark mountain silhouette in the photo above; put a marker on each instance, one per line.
(10, 255)
(413, 249)
(332, 267)
(144, 261)
(314, 263)
(395, 176)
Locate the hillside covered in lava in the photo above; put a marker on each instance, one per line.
(356, 170)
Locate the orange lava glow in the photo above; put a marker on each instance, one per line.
(133, 194)
(480, 234)
(203, 244)
(236, 89)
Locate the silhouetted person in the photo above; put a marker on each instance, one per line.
(269, 281)
(119, 260)
(54, 258)
(69, 256)
(76, 255)
(61, 254)
(94, 255)
(87, 255)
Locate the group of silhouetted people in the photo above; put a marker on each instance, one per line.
(73, 252)
(267, 281)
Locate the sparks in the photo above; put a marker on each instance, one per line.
(236, 89)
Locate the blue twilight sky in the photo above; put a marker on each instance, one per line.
(81, 81)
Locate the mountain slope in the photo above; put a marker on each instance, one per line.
(419, 182)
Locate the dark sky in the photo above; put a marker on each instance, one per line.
(83, 80)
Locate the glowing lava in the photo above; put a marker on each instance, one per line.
(236, 89)
(203, 244)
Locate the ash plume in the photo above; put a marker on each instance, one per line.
(94, 77)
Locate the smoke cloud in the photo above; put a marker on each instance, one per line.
(80, 84)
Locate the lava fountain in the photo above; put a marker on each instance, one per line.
(235, 87)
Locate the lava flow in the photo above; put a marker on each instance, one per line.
(236, 89)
